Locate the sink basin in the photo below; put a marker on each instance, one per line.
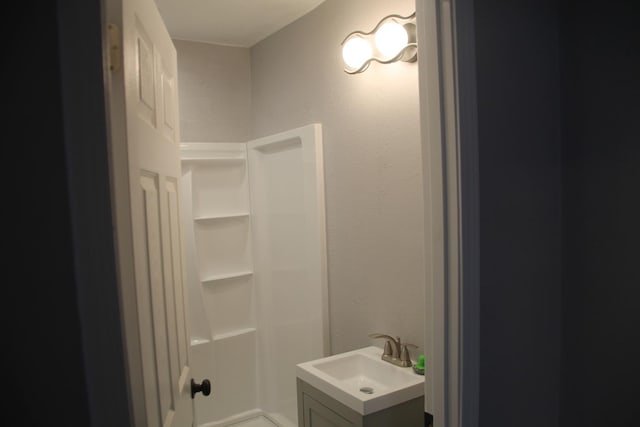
(361, 380)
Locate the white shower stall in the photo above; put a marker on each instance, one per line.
(255, 245)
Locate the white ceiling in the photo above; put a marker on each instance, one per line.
(240, 23)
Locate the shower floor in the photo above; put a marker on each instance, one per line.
(258, 421)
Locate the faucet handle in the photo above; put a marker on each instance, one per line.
(388, 350)
(404, 353)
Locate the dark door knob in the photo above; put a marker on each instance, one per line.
(204, 387)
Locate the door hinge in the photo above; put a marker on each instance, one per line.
(113, 44)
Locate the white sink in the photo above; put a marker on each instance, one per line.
(361, 380)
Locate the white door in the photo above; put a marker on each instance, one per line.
(144, 152)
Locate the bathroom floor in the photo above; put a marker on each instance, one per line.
(259, 421)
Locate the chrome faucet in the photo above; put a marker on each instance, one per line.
(395, 351)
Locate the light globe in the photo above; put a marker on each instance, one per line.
(390, 39)
(355, 52)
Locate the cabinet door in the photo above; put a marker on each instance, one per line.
(318, 415)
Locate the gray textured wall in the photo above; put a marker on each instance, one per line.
(520, 212)
(214, 90)
(601, 209)
(372, 164)
(371, 146)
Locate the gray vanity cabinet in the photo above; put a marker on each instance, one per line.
(318, 415)
(317, 409)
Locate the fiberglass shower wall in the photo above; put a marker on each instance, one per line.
(256, 269)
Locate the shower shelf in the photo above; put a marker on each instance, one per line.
(222, 216)
(199, 341)
(229, 159)
(233, 333)
(220, 277)
(217, 152)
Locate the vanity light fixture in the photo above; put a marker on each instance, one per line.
(392, 39)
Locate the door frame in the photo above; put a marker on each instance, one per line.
(83, 68)
(449, 133)
(449, 141)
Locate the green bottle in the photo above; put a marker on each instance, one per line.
(419, 367)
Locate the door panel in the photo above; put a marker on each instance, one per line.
(149, 278)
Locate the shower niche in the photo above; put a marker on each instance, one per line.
(255, 246)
